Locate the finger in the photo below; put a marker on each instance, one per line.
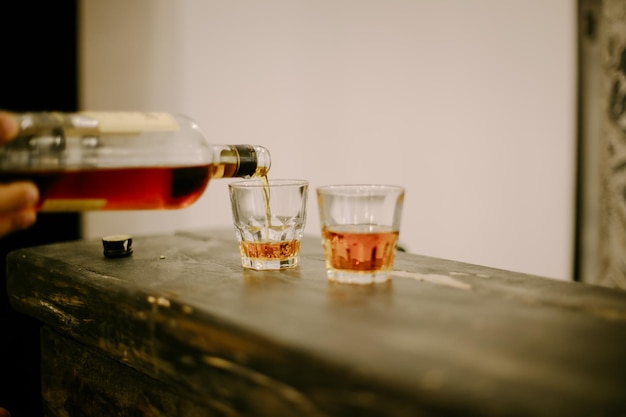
(17, 196)
(8, 126)
(4, 412)
(15, 221)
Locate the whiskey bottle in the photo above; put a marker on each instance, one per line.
(121, 160)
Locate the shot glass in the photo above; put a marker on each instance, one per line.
(360, 227)
(269, 218)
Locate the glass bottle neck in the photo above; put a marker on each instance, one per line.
(240, 161)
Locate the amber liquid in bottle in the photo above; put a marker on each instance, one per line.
(138, 188)
(120, 160)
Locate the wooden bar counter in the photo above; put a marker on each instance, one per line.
(180, 329)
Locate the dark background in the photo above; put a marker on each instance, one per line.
(38, 72)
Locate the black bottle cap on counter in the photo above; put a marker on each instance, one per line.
(117, 246)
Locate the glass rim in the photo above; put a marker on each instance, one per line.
(278, 182)
(352, 188)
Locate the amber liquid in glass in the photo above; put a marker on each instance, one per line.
(139, 188)
(269, 254)
(270, 250)
(360, 248)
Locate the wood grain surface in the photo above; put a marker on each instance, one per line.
(442, 338)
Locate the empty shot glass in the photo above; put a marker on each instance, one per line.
(360, 227)
(269, 218)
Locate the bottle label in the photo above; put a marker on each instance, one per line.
(73, 204)
(122, 123)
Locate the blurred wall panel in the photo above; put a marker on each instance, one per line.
(469, 104)
(602, 198)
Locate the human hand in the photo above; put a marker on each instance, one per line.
(17, 199)
(4, 412)
(8, 127)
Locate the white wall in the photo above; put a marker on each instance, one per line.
(469, 104)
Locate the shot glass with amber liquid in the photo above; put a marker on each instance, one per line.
(269, 218)
(360, 229)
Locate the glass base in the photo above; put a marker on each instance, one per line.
(360, 277)
(269, 264)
